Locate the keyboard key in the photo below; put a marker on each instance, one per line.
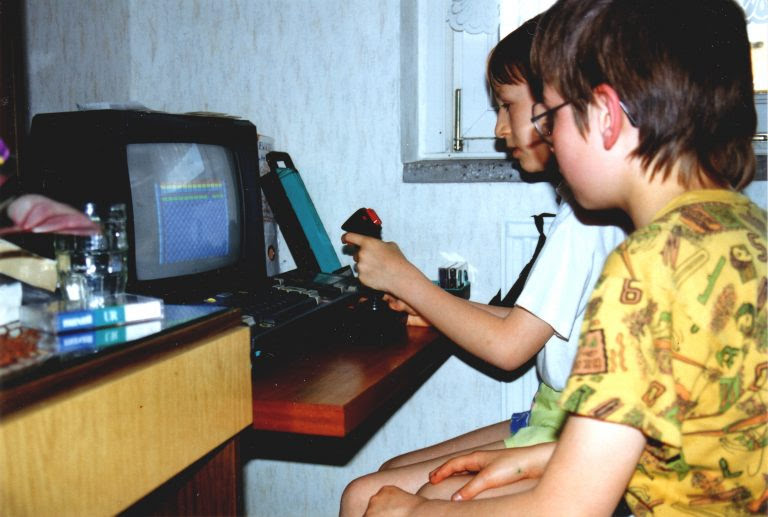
(287, 313)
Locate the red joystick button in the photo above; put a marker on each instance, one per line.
(373, 216)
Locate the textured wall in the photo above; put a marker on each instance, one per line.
(323, 79)
(77, 52)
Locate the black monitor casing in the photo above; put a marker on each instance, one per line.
(80, 156)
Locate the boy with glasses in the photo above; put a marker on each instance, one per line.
(544, 321)
(667, 396)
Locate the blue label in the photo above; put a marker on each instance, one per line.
(75, 320)
(89, 319)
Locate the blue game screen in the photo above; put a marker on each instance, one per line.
(185, 210)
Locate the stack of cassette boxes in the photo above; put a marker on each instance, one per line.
(454, 278)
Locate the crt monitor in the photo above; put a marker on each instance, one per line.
(189, 183)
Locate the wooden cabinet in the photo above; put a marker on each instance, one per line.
(99, 447)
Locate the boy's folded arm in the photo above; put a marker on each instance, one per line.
(591, 466)
(495, 468)
(587, 475)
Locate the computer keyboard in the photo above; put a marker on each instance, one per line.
(283, 306)
(297, 310)
(270, 307)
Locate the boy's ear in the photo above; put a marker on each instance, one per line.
(610, 113)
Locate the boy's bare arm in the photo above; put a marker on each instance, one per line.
(506, 342)
(495, 468)
(399, 305)
(587, 475)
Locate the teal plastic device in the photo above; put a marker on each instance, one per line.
(310, 222)
(295, 213)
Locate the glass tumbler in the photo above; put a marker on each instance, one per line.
(92, 269)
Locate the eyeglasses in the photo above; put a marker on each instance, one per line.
(543, 119)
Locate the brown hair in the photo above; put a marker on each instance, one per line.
(510, 60)
(682, 68)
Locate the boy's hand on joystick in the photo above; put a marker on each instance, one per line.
(365, 221)
(376, 321)
(376, 261)
(380, 265)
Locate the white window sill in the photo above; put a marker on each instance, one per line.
(485, 170)
(466, 171)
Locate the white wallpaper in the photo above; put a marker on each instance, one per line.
(322, 78)
(77, 52)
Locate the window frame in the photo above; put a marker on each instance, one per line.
(429, 76)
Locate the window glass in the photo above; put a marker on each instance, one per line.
(448, 111)
(476, 26)
(756, 12)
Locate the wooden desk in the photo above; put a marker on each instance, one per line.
(101, 437)
(94, 439)
(330, 390)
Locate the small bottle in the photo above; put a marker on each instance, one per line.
(117, 245)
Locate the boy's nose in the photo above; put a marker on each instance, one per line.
(502, 124)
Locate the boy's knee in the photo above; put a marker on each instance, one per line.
(438, 491)
(389, 464)
(393, 463)
(354, 498)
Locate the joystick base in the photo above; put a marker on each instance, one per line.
(372, 322)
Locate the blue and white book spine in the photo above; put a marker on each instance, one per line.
(104, 337)
(59, 317)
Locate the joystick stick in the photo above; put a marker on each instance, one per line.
(374, 322)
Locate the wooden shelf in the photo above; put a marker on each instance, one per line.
(331, 390)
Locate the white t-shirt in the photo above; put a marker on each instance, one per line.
(559, 285)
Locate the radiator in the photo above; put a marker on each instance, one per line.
(518, 242)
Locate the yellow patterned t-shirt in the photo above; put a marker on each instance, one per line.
(674, 344)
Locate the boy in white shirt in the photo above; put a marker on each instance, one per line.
(547, 314)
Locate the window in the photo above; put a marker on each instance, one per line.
(756, 12)
(445, 46)
(447, 113)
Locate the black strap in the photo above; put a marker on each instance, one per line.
(514, 291)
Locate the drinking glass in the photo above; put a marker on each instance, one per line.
(94, 268)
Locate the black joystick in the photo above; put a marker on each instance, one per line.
(374, 321)
(365, 222)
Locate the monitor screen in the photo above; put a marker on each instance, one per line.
(184, 199)
(189, 184)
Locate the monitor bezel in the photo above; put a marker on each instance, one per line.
(91, 142)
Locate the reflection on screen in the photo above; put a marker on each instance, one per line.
(185, 210)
